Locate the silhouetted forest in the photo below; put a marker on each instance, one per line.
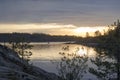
(36, 37)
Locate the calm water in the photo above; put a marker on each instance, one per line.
(44, 54)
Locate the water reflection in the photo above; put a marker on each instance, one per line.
(50, 51)
(82, 51)
(99, 59)
(44, 53)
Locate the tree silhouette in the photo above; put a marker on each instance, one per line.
(21, 46)
(71, 66)
(97, 33)
(110, 44)
(87, 34)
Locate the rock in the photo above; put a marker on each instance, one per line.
(12, 67)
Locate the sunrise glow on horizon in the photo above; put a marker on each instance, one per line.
(60, 39)
(51, 28)
(50, 17)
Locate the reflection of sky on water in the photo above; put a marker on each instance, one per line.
(44, 54)
(51, 51)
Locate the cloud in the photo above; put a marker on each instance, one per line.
(36, 26)
(50, 28)
(77, 12)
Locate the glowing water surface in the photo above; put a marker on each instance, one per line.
(45, 53)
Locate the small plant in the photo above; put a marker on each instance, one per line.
(72, 66)
(21, 46)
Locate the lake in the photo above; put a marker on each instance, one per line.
(46, 55)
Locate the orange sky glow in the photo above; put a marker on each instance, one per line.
(51, 28)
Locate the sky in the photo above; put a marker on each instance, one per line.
(57, 17)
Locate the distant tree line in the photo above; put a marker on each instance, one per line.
(37, 37)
